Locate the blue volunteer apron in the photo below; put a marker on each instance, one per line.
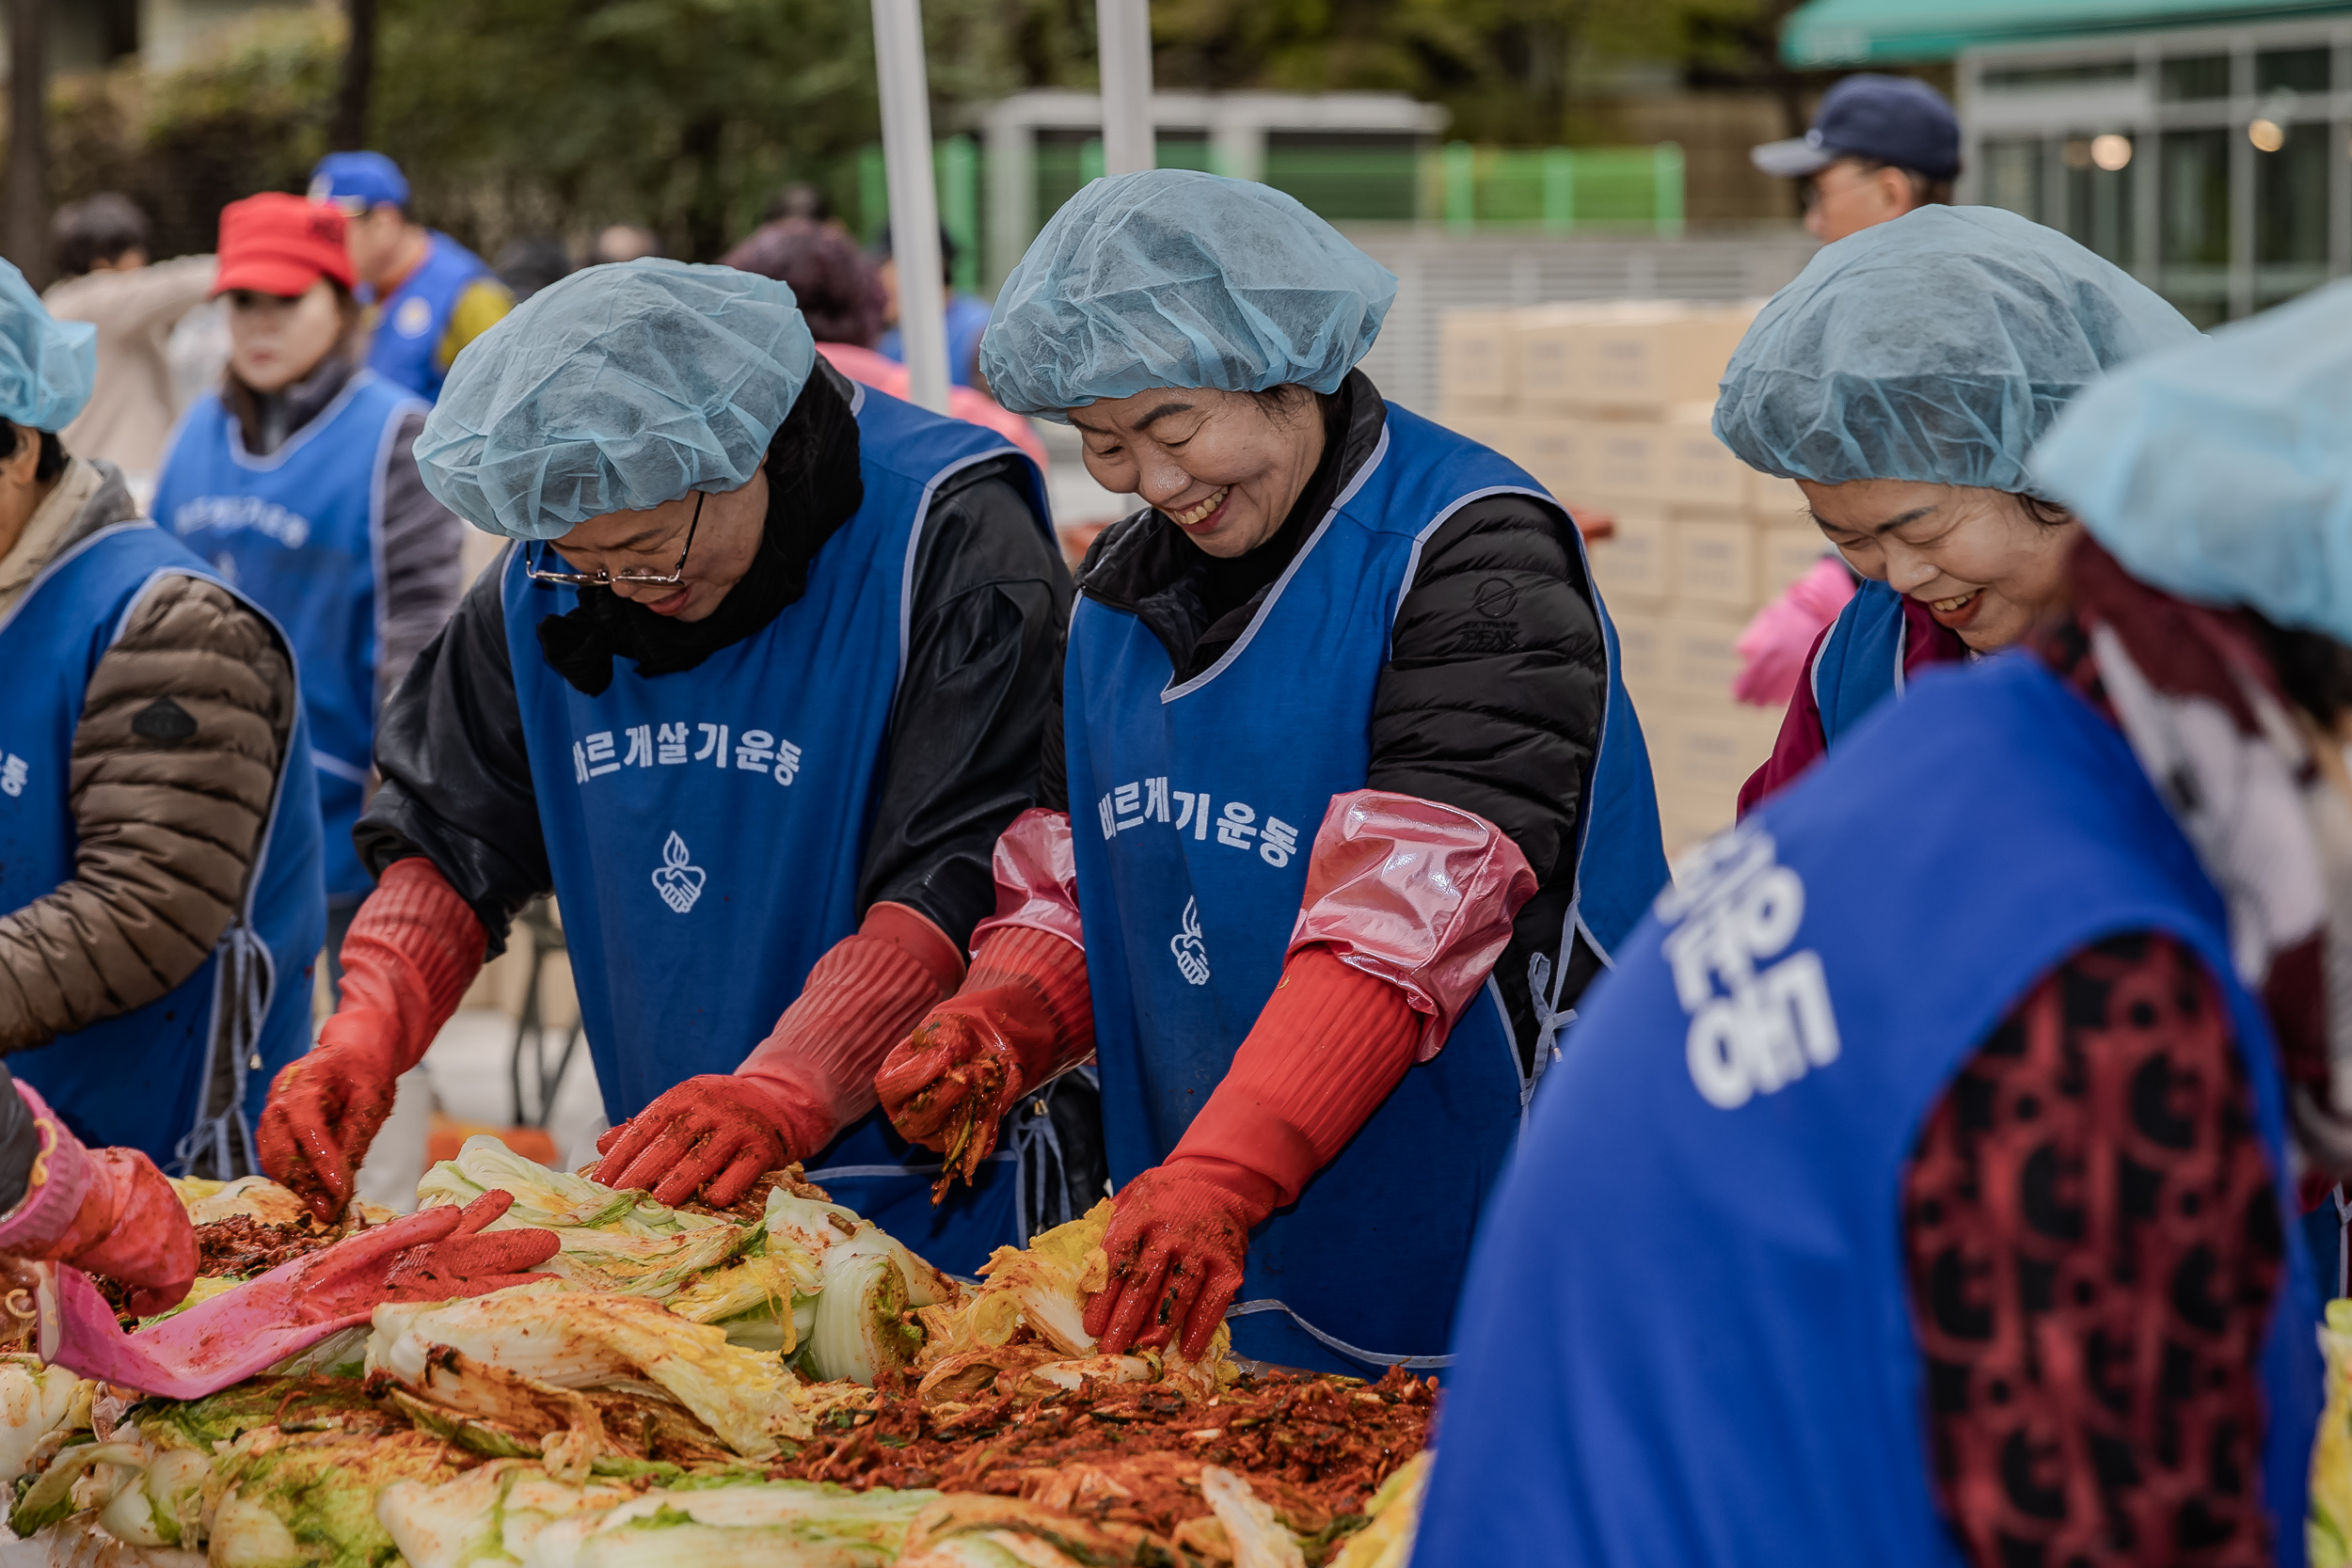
(1860, 662)
(705, 827)
(139, 1079)
(1688, 1335)
(301, 532)
(1194, 808)
(411, 321)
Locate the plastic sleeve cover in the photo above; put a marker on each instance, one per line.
(1418, 893)
(1037, 878)
(60, 1179)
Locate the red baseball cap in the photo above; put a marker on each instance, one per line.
(276, 243)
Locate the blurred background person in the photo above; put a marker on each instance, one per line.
(159, 853)
(797, 198)
(840, 293)
(624, 241)
(432, 296)
(967, 316)
(298, 482)
(528, 265)
(106, 280)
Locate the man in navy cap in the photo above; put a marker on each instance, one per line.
(1880, 147)
(432, 295)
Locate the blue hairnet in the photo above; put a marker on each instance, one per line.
(2222, 470)
(1937, 347)
(1177, 278)
(616, 390)
(46, 365)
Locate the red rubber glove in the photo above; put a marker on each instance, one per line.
(1327, 1049)
(1022, 1016)
(717, 1133)
(433, 1255)
(108, 1211)
(413, 949)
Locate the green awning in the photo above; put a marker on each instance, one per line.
(1856, 32)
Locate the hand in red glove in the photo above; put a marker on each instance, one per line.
(1022, 1016)
(718, 1134)
(1179, 1234)
(434, 1256)
(413, 949)
(106, 1210)
(719, 1131)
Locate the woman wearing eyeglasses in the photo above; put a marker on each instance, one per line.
(296, 483)
(761, 682)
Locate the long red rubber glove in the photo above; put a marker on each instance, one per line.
(1024, 1014)
(1329, 1047)
(106, 1210)
(413, 949)
(717, 1133)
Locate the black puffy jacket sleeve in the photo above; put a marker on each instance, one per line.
(983, 655)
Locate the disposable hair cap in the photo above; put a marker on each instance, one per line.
(2221, 470)
(1937, 347)
(46, 365)
(1172, 277)
(616, 390)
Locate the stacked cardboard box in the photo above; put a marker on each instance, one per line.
(1608, 407)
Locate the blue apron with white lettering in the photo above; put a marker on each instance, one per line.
(139, 1079)
(705, 827)
(1687, 1337)
(1194, 808)
(1860, 662)
(412, 320)
(301, 532)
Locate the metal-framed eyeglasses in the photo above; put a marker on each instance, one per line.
(671, 579)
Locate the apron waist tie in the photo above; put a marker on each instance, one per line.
(242, 985)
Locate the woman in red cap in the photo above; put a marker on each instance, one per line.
(297, 482)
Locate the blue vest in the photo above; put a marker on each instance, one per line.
(139, 1079)
(1687, 1335)
(1860, 663)
(301, 531)
(705, 828)
(411, 321)
(1194, 808)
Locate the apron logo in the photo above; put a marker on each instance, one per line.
(678, 882)
(413, 319)
(1753, 1029)
(1192, 953)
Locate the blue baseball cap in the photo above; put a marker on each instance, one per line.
(358, 181)
(1891, 119)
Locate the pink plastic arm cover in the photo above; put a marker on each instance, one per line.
(1418, 893)
(59, 1181)
(232, 1336)
(1037, 878)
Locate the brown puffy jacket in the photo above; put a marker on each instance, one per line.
(183, 729)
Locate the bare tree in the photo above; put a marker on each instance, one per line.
(350, 129)
(28, 208)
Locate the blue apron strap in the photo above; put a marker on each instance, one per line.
(241, 993)
(1041, 1184)
(1369, 1357)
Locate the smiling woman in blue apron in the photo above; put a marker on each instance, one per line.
(754, 695)
(159, 834)
(1917, 1189)
(1342, 730)
(1901, 381)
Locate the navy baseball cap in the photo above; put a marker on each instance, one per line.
(358, 181)
(1891, 119)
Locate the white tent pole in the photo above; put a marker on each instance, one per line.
(906, 117)
(1123, 36)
